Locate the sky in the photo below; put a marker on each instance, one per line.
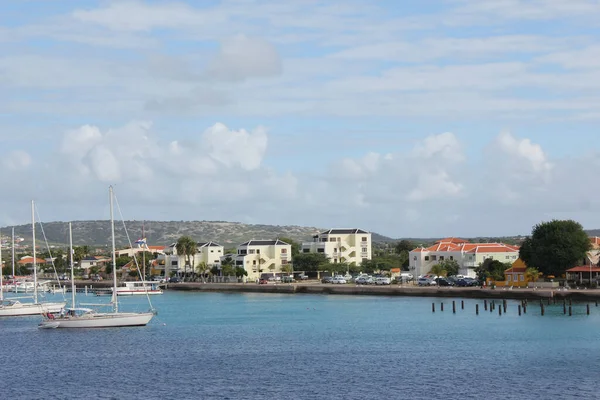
(410, 119)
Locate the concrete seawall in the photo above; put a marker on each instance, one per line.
(393, 290)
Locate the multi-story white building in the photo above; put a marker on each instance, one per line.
(208, 254)
(468, 255)
(263, 256)
(351, 246)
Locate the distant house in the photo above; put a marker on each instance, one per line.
(263, 256)
(468, 255)
(515, 275)
(352, 246)
(93, 261)
(28, 261)
(208, 253)
(582, 273)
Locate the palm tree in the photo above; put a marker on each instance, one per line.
(532, 274)
(439, 270)
(187, 247)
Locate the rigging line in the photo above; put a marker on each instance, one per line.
(131, 246)
(49, 252)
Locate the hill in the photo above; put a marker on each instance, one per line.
(229, 234)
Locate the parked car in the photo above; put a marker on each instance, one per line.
(338, 280)
(288, 279)
(425, 282)
(443, 282)
(96, 278)
(263, 281)
(327, 279)
(383, 281)
(174, 279)
(303, 277)
(364, 280)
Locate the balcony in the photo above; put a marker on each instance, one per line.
(469, 264)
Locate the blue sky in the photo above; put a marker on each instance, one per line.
(411, 119)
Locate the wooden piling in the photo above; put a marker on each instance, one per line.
(588, 309)
(453, 307)
(519, 307)
(504, 306)
(476, 309)
(542, 308)
(485, 305)
(441, 306)
(462, 304)
(432, 307)
(499, 310)
(570, 311)
(564, 308)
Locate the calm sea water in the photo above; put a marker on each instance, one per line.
(256, 346)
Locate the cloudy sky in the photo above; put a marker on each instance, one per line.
(410, 119)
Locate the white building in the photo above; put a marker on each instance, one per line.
(263, 256)
(468, 255)
(351, 246)
(208, 254)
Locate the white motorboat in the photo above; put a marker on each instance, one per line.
(75, 317)
(138, 288)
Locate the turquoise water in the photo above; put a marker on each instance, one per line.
(255, 346)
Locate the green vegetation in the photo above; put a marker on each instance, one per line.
(445, 268)
(493, 269)
(310, 262)
(555, 246)
(187, 247)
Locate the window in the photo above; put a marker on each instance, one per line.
(217, 261)
(306, 250)
(320, 250)
(335, 250)
(218, 251)
(257, 251)
(335, 260)
(283, 251)
(253, 262)
(364, 239)
(242, 252)
(508, 257)
(426, 258)
(251, 251)
(333, 239)
(174, 263)
(451, 257)
(284, 262)
(433, 258)
(212, 251)
(441, 258)
(364, 249)
(415, 257)
(508, 278)
(522, 278)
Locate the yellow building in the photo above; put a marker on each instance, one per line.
(515, 275)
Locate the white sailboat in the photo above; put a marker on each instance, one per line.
(88, 318)
(12, 307)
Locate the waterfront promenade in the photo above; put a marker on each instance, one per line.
(391, 290)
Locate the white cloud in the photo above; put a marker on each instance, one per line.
(231, 148)
(16, 160)
(443, 146)
(241, 57)
(524, 150)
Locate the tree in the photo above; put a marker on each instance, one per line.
(187, 247)
(240, 271)
(122, 260)
(310, 261)
(493, 269)
(555, 246)
(450, 266)
(438, 269)
(404, 246)
(532, 274)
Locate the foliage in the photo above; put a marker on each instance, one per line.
(404, 246)
(227, 270)
(287, 268)
(532, 274)
(122, 260)
(438, 269)
(310, 262)
(215, 271)
(108, 269)
(493, 269)
(450, 266)
(239, 272)
(187, 247)
(555, 246)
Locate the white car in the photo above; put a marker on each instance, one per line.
(383, 281)
(339, 280)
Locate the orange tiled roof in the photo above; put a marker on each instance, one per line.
(584, 268)
(29, 260)
(595, 241)
(156, 247)
(465, 247)
(515, 270)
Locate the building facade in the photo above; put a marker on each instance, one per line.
(208, 255)
(468, 255)
(351, 246)
(259, 257)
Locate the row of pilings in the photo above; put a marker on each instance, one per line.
(502, 306)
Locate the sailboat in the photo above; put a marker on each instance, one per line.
(12, 307)
(75, 317)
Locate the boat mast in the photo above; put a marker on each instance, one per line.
(72, 273)
(114, 258)
(13, 253)
(35, 293)
(143, 252)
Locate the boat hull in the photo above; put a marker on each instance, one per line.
(20, 309)
(137, 292)
(103, 320)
